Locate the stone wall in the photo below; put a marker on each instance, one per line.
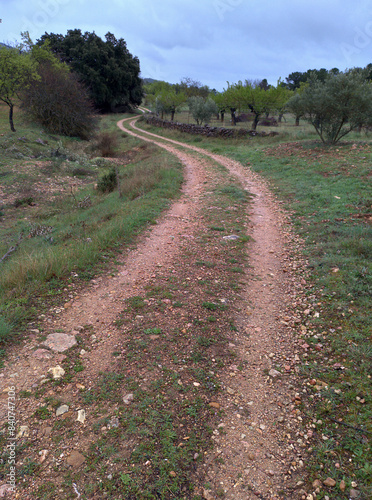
(205, 130)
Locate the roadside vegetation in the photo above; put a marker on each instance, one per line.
(61, 216)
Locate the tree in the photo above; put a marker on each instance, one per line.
(192, 88)
(219, 99)
(169, 101)
(106, 68)
(233, 98)
(280, 96)
(17, 72)
(202, 109)
(294, 80)
(335, 107)
(153, 89)
(264, 85)
(59, 102)
(258, 100)
(295, 105)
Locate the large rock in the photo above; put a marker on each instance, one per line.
(75, 459)
(60, 342)
(42, 354)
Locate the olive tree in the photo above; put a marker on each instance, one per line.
(202, 109)
(336, 106)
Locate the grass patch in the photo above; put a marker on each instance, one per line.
(66, 228)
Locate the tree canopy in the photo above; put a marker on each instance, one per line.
(295, 79)
(168, 101)
(336, 106)
(254, 96)
(202, 109)
(106, 68)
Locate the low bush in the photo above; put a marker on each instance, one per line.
(107, 144)
(108, 182)
(59, 102)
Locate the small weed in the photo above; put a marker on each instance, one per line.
(24, 394)
(237, 270)
(234, 192)
(22, 202)
(6, 330)
(152, 331)
(204, 263)
(78, 366)
(43, 413)
(212, 306)
(136, 303)
(205, 341)
(29, 468)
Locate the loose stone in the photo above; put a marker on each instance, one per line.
(61, 410)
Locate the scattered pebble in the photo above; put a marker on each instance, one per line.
(57, 372)
(61, 410)
(128, 398)
(231, 237)
(329, 482)
(23, 431)
(75, 459)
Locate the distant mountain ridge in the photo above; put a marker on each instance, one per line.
(148, 81)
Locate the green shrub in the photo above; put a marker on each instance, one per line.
(22, 202)
(108, 182)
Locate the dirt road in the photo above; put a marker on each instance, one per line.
(259, 435)
(260, 449)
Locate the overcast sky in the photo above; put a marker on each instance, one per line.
(212, 41)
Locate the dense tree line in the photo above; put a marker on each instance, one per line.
(62, 80)
(106, 68)
(333, 102)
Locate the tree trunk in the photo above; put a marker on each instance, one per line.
(297, 121)
(280, 118)
(222, 116)
(172, 114)
(11, 118)
(255, 121)
(233, 117)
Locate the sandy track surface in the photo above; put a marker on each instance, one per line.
(256, 434)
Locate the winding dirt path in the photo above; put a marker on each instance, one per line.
(257, 454)
(259, 434)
